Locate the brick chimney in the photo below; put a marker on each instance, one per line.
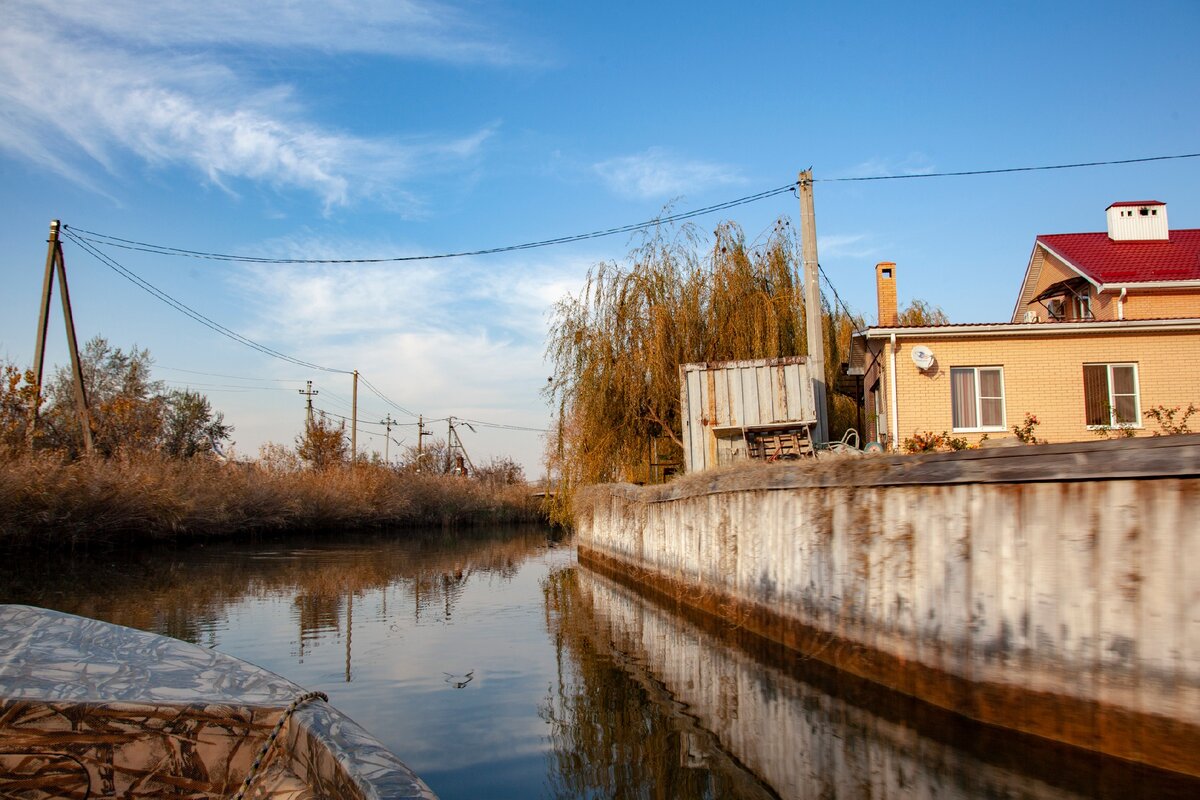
(885, 291)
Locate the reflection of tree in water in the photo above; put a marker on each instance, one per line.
(615, 732)
(185, 592)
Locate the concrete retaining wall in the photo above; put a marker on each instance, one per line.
(1052, 590)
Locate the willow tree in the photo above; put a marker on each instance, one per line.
(616, 347)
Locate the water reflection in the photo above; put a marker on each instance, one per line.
(497, 668)
(188, 592)
(615, 729)
(710, 713)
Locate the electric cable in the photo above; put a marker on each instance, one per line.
(1004, 170)
(224, 375)
(385, 398)
(131, 244)
(187, 310)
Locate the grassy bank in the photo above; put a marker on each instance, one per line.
(43, 498)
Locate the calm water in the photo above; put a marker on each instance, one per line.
(496, 667)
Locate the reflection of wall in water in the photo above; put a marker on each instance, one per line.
(1046, 590)
(801, 741)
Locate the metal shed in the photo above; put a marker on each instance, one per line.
(736, 410)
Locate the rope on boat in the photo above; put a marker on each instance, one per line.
(266, 748)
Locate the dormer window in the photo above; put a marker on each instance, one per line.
(1083, 306)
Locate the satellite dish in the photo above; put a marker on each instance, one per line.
(922, 356)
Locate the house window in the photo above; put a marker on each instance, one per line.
(1110, 394)
(1083, 306)
(977, 398)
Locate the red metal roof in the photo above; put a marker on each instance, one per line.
(1105, 261)
(1136, 203)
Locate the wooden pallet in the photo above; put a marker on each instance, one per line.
(774, 445)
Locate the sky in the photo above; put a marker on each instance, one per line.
(379, 129)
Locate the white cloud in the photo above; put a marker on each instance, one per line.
(657, 173)
(424, 319)
(80, 86)
(913, 164)
(422, 29)
(852, 245)
(463, 337)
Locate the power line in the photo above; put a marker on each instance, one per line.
(503, 426)
(224, 375)
(838, 299)
(385, 398)
(180, 306)
(227, 386)
(1006, 169)
(131, 244)
(217, 327)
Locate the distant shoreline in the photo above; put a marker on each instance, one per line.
(46, 500)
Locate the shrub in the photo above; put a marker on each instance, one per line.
(1165, 417)
(1025, 431)
(930, 442)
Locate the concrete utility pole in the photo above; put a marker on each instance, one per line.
(354, 421)
(812, 302)
(56, 263)
(421, 434)
(387, 423)
(310, 395)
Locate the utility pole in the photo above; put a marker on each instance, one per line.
(387, 423)
(814, 326)
(56, 263)
(354, 421)
(462, 463)
(421, 434)
(310, 395)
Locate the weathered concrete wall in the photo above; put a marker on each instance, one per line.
(802, 740)
(1051, 590)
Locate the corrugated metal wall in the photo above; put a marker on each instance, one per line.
(720, 398)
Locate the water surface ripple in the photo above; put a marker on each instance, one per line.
(495, 666)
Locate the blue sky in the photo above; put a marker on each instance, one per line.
(375, 129)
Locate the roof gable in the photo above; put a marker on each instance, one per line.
(1104, 261)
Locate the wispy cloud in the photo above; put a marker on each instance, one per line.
(913, 164)
(659, 174)
(845, 245)
(462, 337)
(86, 84)
(419, 29)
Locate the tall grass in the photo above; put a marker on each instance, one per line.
(45, 498)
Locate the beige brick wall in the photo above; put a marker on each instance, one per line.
(1148, 304)
(1161, 305)
(1043, 375)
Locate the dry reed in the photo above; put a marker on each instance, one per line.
(44, 498)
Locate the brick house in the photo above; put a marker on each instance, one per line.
(1106, 326)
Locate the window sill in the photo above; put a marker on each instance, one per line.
(1001, 429)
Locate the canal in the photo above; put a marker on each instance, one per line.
(496, 666)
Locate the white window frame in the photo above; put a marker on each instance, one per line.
(1083, 307)
(1003, 426)
(1112, 406)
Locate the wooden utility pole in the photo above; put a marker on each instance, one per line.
(354, 421)
(310, 394)
(56, 264)
(813, 314)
